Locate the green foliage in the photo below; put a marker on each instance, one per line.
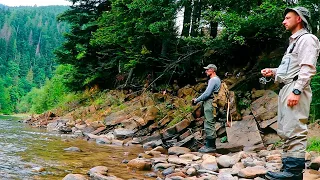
(313, 144)
(28, 36)
(52, 94)
(175, 120)
(315, 104)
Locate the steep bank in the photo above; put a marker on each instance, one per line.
(168, 120)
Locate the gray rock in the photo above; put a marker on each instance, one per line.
(121, 132)
(209, 163)
(178, 150)
(168, 171)
(225, 161)
(151, 174)
(73, 149)
(245, 133)
(75, 177)
(103, 140)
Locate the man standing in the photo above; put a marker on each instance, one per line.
(294, 74)
(207, 98)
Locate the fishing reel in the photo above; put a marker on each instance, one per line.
(263, 80)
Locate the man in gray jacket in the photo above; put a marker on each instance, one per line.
(294, 74)
(207, 98)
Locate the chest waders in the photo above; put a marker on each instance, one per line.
(292, 121)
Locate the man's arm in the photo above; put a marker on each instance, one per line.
(308, 54)
(208, 92)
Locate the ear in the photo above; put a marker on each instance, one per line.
(299, 20)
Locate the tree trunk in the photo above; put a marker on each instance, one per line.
(196, 13)
(164, 47)
(186, 18)
(213, 29)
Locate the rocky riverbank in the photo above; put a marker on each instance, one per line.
(171, 131)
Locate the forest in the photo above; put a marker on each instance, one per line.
(119, 44)
(28, 37)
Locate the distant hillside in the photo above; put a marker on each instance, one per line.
(28, 37)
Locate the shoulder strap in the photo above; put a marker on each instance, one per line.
(294, 44)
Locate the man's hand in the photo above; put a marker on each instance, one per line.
(293, 99)
(267, 72)
(193, 101)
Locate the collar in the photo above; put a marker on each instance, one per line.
(297, 34)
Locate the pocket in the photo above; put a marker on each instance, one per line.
(284, 66)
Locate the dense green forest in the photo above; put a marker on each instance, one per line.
(128, 43)
(28, 37)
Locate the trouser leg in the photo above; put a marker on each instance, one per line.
(292, 122)
(292, 127)
(209, 123)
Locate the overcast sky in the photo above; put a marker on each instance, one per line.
(33, 2)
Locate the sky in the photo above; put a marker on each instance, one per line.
(33, 2)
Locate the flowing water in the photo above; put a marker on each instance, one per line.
(25, 150)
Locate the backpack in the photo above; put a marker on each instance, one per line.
(221, 99)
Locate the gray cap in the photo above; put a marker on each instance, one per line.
(303, 13)
(211, 66)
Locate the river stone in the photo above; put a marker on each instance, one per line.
(176, 160)
(144, 155)
(225, 161)
(75, 177)
(140, 164)
(274, 158)
(80, 126)
(236, 168)
(156, 160)
(252, 172)
(175, 178)
(168, 171)
(209, 162)
(177, 175)
(98, 170)
(101, 173)
(38, 169)
(191, 171)
(160, 149)
(162, 166)
(151, 174)
(78, 133)
(121, 132)
(315, 164)
(226, 176)
(190, 157)
(153, 153)
(117, 142)
(103, 140)
(311, 174)
(52, 126)
(73, 149)
(178, 150)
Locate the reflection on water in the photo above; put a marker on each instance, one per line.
(22, 149)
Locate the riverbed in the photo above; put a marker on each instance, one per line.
(31, 153)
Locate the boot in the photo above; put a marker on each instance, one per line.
(209, 147)
(291, 170)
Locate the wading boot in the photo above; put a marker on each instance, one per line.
(292, 169)
(209, 147)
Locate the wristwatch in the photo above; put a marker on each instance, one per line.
(296, 92)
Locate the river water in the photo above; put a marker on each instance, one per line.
(25, 150)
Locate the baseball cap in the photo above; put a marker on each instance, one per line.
(303, 13)
(211, 66)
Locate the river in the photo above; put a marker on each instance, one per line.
(24, 150)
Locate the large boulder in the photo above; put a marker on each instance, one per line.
(244, 133)
(265, 107)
